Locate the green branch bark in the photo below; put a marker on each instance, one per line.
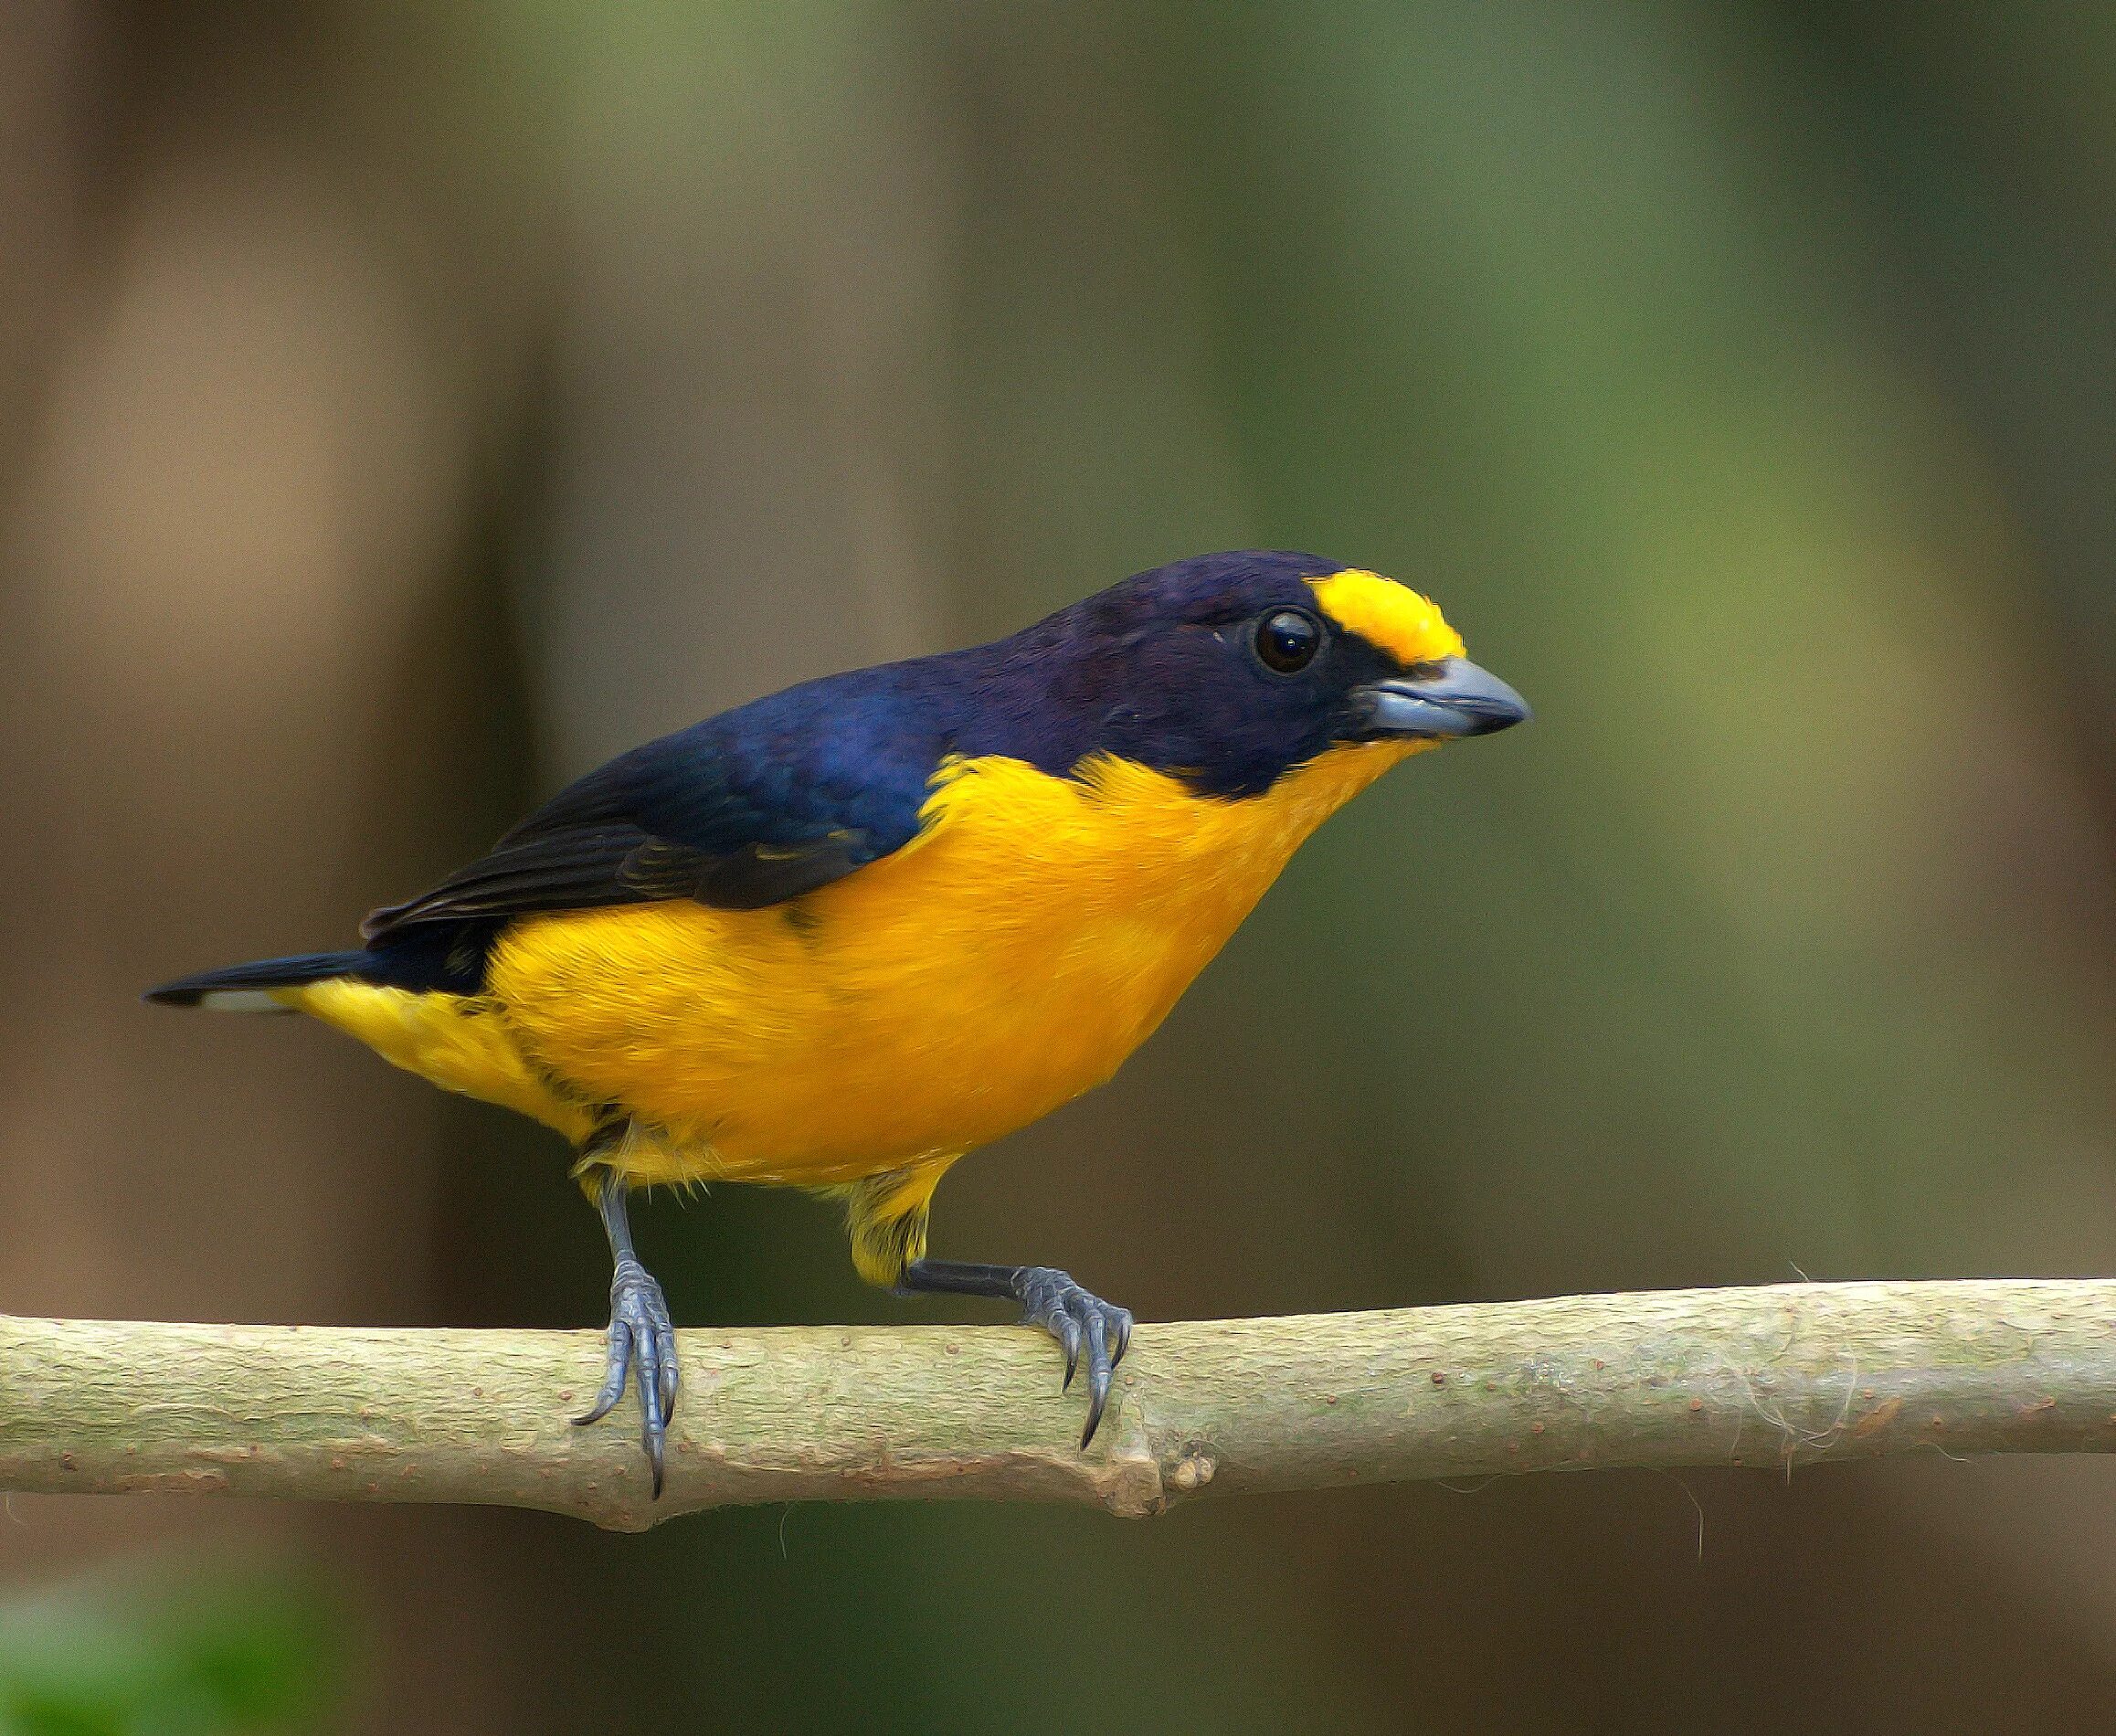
(1770, 1377)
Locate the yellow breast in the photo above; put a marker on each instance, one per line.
(1011, 956)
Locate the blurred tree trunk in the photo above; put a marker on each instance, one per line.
(243, 454)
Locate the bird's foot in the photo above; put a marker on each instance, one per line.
(642, 1339)
(1081, 1322)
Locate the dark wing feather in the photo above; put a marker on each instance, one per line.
(621, 865)
(756, 875)
(742, 812)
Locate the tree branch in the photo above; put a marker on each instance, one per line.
(1762, 1377)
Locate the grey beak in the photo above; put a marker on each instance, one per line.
(1457, 698)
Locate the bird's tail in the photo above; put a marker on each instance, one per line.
(414, 1000)
(252, 988)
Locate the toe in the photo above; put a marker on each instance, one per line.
(670, 1379)
(667, 1371)
(652, 1423)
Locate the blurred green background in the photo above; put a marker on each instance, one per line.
(403, 405)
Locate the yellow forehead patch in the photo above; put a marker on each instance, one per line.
(1409, 627)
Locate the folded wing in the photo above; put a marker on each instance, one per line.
(738, 813)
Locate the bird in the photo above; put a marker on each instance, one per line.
(840, 937)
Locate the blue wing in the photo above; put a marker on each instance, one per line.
(749, 809)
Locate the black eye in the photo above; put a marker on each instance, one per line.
(1287, 639)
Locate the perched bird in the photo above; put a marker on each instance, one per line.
(837, 938)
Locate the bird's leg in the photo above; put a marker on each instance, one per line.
(641, 1335)
(1075, 1317)
(887, 1215)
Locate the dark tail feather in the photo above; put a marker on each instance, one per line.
(434, 958)
(241, 988)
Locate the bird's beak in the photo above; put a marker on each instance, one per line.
(1451, 697)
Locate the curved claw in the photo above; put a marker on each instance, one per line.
(1067, 1327)
(613, 1381)
(1098, 1372)
(643, 1340)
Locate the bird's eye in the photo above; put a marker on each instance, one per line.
(1287, 639)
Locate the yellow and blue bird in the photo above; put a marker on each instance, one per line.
(838, 937)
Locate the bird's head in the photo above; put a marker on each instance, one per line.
(1233, 668)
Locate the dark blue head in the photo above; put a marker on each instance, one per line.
(1226, 669)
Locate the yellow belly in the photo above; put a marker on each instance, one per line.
(1011, 956)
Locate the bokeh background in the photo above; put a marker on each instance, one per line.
(403, 405)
